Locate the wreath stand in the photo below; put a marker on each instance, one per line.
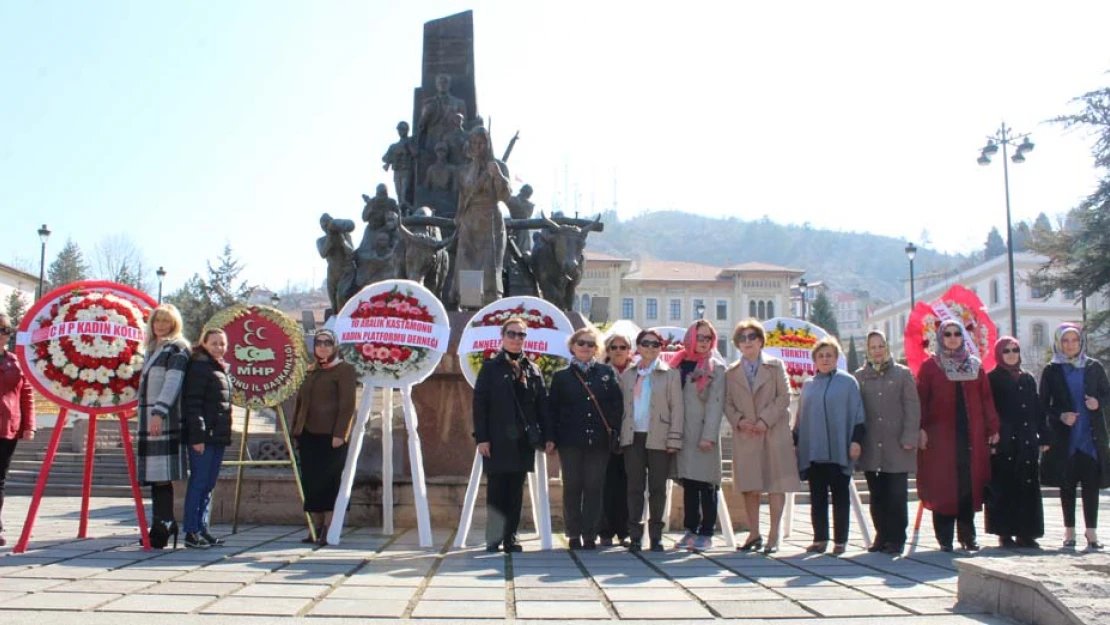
(853, 500)
(416, 464)
(538, 494)
(244, 461)
(86, 485)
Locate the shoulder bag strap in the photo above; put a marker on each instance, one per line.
(593, 399)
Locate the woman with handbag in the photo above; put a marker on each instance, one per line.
(699, 461)
(585, 405)
(510, 421)
(614, 515)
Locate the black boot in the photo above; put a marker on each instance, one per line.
(966, 532)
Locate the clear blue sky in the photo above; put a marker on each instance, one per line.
(183, 125)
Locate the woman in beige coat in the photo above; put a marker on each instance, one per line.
(699, 461)
(651, 433)
(893, 416)
(757, 404)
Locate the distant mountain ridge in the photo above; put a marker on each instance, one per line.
(845, 260)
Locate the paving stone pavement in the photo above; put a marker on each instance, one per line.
(265, 574)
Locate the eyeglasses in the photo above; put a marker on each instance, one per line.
(705, 338)
(747, 336)
(589, 344)
(952, 334)
(651, 344)
(325, 342)
(513, 334)
(618, 348)
(1011, 350)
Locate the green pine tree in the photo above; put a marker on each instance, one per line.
(995, 245)
(1079, 254)
(821, 314)
(199, 299)
(69, 266)
(852, 356)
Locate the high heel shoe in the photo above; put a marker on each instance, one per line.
(772, 546)
(173, 528)
(753, 544)
(1094, 545)
(818, 546)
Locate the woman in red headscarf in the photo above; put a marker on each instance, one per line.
(960, 429)
(699, 460)
(1014, 510)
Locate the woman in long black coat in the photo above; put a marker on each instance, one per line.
(510, 398)
(1014, 509)
(1076, 397)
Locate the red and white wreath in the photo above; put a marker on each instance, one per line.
(88, 369)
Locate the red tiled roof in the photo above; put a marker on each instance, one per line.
(605, 257)
(674, 270)
(763, 267)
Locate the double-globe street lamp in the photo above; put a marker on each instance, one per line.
(1006, 137)
(161, 273)
(802, 284)
(44, 235)
(911, 252)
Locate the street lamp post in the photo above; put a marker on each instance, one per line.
(700, 310)
(1006, 137)
(161, 273)
(911, 252)
(802, 284)
(275, 299)
(44, 235)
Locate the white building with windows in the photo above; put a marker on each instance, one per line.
(1038, 314)
(670, 293)
(19, 281)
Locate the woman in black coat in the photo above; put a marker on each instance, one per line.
(1014, 509)
(206, 406)
(585, 406)
(510, 418)
(1076, 397)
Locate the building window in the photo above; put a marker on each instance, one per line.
(676, 309)
(751, 309)
(1038, 334)
(994, 292)
(902, 323)
(770, 309)
(722, 346)
(585, 305)
(694, 309)
(651, 306)
(577, 304)
(628, 308)
(1037, 293)
(762, 310)
(886, 328)
(722, 310)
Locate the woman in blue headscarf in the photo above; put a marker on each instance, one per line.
(1075, 394)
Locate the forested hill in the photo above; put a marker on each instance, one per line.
(845, 260)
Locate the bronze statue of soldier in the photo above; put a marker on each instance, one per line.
(401, 157)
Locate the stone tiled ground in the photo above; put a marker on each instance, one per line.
(265, 571)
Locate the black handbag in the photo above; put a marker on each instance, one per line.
(531, 430)
(613, 437)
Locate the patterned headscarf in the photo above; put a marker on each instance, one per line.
(1058, 355)
(958, 364)
(325, 334)
(883, 364)
(689, 352)
(1001, 344)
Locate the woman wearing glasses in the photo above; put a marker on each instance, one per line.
(699, 460)
(651, 434)
(1076, 397)
(510, 415)
(757, 404)
(17, 408)
(585, 406)
(1015, 512)
(322, 421)
(614, 517)
(959, 432)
